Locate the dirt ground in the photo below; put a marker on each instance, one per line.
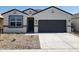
(19, 41)
(75, 33)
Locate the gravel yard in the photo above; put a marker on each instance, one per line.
(19, 41)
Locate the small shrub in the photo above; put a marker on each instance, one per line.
(13, 40)
(1, 40)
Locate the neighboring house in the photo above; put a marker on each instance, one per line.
(49, 20)
(75, 22)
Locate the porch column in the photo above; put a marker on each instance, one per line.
(36, 26)
(68, 25)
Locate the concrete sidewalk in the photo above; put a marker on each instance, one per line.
(59, 41)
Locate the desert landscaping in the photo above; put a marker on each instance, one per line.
(20, 41)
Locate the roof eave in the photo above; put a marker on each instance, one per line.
(12, 10)
(54, 7)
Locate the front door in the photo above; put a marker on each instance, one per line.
(30, 24)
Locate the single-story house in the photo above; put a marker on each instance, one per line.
(48, 20)
(75, 22)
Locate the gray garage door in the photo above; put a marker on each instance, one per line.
(51, 26)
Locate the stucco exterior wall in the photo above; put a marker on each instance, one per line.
(6, 19)
(53, 14)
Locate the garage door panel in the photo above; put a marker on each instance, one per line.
(47, 26)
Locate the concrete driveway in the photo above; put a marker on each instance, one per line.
(59, 41)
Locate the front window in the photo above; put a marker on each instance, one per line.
(15, 20)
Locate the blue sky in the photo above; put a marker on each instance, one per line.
(70, 9)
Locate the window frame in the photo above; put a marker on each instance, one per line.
(15, 22)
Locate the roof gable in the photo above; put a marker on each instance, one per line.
(30, 9)
(53, 7)
(13, 10)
